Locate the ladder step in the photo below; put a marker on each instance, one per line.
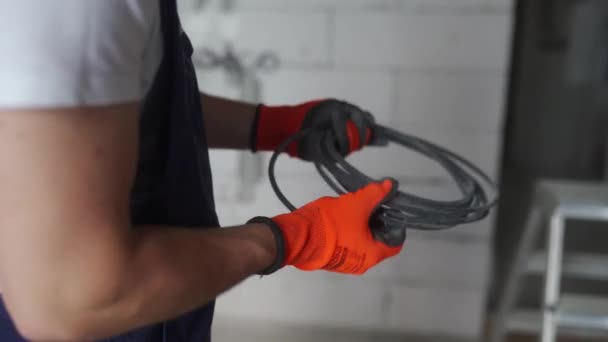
(530, 323)
(584, 266)
(525, 321)
(578, 316)
(588, 312)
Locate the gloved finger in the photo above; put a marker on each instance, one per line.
(362, 124)
(338, 126)
(373, 194)
(354, 137)
(383, 230)
(388, 251)
(387, 236)
(369, 123)
(358, 137)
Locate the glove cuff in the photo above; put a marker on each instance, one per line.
(272, 125)
(280, 242)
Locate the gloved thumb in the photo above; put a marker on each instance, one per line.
(373, 194)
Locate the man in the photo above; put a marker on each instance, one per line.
(106, 199)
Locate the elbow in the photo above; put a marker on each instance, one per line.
(80, 298)
(45, 329)
(38, 324)
(77, 319)
(82, 312)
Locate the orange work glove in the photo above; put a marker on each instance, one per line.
(274, 124)
(332, 233)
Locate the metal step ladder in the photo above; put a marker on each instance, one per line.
(577, 315)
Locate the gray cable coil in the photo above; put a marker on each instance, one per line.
(402, 210)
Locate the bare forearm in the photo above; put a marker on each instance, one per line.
(170, 271)
(228, 122)
(177, 270)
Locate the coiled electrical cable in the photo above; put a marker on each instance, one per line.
(402, 210)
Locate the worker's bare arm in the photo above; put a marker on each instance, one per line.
(228, 122)
(71, 265)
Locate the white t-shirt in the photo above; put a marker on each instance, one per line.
(65, 53)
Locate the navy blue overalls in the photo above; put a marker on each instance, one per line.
(173, 184)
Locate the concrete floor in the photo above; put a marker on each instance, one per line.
(234, 330)
(231, 330)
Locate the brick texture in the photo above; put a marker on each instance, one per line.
(433, 68)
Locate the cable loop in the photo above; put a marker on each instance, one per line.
(404, 210)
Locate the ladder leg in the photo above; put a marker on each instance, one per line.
(514, 273)
(553, 277)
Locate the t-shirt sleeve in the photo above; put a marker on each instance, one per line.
(72, 52)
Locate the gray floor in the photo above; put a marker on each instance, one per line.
(231, 330)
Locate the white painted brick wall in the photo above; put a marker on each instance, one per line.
(426, 311)
(298, 37)
(433, 68)
(315, 298)
(443, 41)
(458, 99)
(323, 299)
(438, 264)
(372, 89)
